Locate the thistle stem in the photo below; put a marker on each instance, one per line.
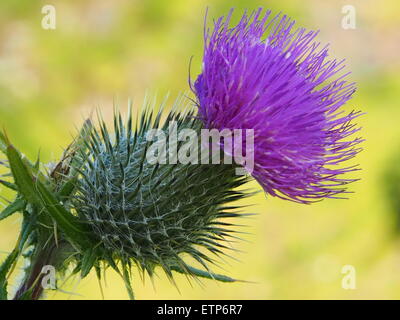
(32, 287)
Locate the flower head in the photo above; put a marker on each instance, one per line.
(153, 214)
(266, 75)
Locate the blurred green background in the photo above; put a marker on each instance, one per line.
(103, 51)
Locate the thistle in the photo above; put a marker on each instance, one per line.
(152, 214)
(107, 204)
(115, 209)
(266, 75)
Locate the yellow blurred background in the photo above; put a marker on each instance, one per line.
(103, 51)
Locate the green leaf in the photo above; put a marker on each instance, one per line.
(26, 230)
(22, 176)
(9, 185)
(67, 188)
(4, 269)
(80, 143)
(34, 191)
(204, 274)
(65, 220)
(88, 261)
(18, 205)
(7, 264)
(3, 290)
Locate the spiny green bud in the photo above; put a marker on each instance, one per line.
(152, 214)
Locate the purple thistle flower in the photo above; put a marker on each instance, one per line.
(266, 75)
